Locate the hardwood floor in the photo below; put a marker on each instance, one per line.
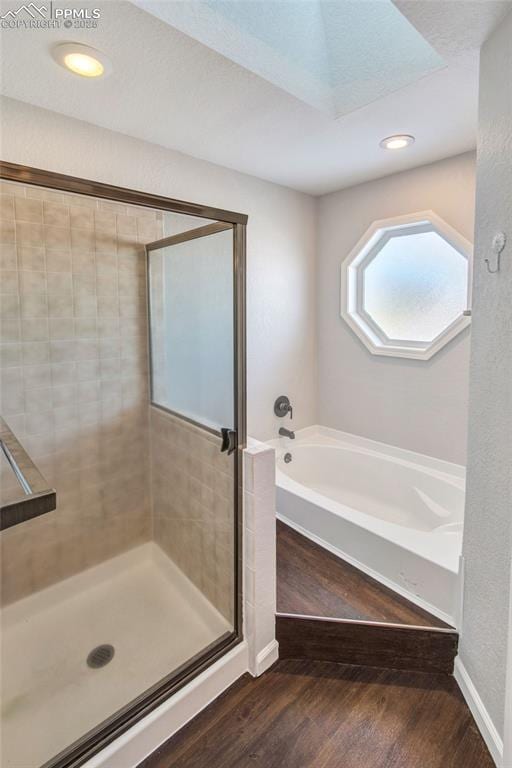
(313, 582)
(305, 714)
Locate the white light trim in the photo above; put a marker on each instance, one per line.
(376, 342)
(60, 51)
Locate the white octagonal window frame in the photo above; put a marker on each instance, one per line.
(352, 279)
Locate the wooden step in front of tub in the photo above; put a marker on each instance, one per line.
(328, 610)
(366, 644)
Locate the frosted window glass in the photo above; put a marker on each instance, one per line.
(415, 286)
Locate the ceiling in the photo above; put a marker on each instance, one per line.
(169, 88)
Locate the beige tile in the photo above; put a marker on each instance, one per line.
(147, 231)
(82, 201)
(40, 193)
(88, 370)
(33, 282)
(35, 352)
(10, 329)
(127, 247)
(86, 328)
(10, 355)
(88, 391)
(34, 305)
(6, 207)
(58, 261)
(8, 258)
(35, 376)
(81, 217)
(29, 234)
(107, 285)
(62, 351)
(62, 328)
(109, 347)
(31, 258)
(60, 305)
(82, 240)
(106, 205)
(64, 395)
(63, 373)
(55, 214)
(108, 306)
(9, 306)
(126, 225)
(8, 281)
(105, 221)
(104, 242)
(34, 329)
(86, 349)
(108, 326)
(28, 210)
(59, 282)
(7, 234)
(11, 399)
(84, 262)
(38, 400)
(57, 239)
(85, 305)
(39, 423)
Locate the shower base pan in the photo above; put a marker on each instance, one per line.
(139, 603)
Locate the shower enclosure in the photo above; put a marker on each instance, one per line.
(123, 396)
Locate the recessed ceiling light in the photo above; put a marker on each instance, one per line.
(82, 59)
(400, 141)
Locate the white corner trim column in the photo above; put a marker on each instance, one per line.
(260, 556)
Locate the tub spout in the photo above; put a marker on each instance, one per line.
(287, 433)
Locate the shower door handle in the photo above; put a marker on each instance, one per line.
(229, 440)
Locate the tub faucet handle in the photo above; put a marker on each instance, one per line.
(282, 406)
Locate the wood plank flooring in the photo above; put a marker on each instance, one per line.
(322, 715)
(313, 582)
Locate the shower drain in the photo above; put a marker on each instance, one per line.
(100, 656)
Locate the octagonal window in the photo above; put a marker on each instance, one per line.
(405, 286)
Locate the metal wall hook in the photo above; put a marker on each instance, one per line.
(498, 244)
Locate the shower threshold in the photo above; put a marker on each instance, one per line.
(139, 603)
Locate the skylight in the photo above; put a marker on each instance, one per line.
(335, 55)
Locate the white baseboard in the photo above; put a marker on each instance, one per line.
(265, 658)
(153, 730)
(483, 719)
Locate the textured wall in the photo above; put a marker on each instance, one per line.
(415, 404)
(73, 359)
(488, 527)
(281, 240)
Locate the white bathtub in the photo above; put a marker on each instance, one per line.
(395, 514)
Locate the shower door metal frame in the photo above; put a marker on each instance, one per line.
(94, 741)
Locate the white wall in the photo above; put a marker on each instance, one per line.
(488, 526)
(281, 240)
(420, 405)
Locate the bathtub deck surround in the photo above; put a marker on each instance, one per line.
(326, 715)
(329, 611)
(313, 581)
(394, 514)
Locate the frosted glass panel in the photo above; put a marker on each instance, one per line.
(191, 291)
(416, 286)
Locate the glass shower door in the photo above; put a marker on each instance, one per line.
(193, 406)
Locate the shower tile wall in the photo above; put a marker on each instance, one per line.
(74, 376)
(193, 505)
